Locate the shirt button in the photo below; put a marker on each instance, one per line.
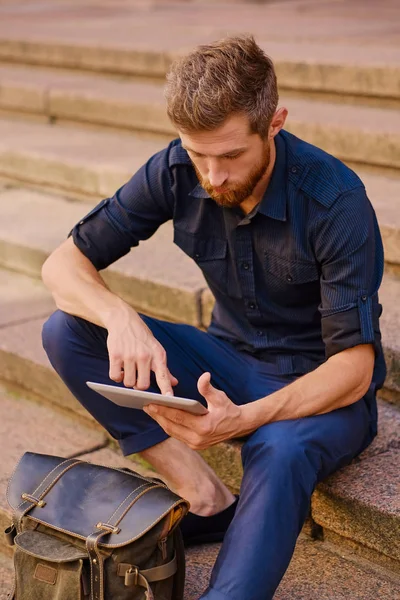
(197, 255)
(289, 278)
(260, 333)
(294, 170)
(252, 305)
(246, 266)
(364, 298)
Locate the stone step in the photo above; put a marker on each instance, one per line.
(359, 134)
(343, 54)
(24, 363)
(156, 277)
(63, 159)
(89, 163)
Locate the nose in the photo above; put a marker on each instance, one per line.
(216, 175)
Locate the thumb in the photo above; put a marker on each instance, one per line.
(205, 388)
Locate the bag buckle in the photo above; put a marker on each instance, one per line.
(131, 576)
(35, 501)
(108, 527)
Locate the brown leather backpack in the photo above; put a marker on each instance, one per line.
(84, 531)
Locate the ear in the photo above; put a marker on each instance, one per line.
(277, 122)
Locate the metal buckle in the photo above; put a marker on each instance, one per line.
(35, 501)
(132, 576)
(108, 527)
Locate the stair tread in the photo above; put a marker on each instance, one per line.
(133, 92)
(140, 105)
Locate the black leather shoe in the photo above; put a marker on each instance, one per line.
(206, 530)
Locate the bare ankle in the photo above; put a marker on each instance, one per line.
(207, 499)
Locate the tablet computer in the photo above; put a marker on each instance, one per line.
(132, 398)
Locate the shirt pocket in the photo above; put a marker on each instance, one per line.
(210, 254)
(292, 283)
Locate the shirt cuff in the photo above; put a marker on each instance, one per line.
(352, 327)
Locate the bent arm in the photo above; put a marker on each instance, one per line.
(341, 380)
(78, 288)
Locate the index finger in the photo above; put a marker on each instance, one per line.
(163, 378)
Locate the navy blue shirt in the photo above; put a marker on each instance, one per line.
(295, 281)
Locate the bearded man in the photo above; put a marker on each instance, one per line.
(290, 247)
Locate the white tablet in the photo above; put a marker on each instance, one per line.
(131, 398)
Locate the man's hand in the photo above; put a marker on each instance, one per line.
(134, 352)
(222, 422)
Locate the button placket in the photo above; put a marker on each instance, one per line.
(244, 261)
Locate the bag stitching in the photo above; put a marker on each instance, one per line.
(125, 499)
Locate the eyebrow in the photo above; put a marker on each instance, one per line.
(231, 152)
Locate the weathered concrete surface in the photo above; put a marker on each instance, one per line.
(388, 437)
(89, 162)
(347, 47)
(22, 298)
(6, 576)
(24, 362)
(368, 135)
(389, 297)
(315, 572)
(362, 502)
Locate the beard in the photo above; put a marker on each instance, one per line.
(236, 194)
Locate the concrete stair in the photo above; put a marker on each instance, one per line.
(80, 112)
(367, 135)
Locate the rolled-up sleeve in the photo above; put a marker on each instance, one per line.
(133, 214)
(348, 247)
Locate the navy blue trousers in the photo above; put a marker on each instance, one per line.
(282, 461)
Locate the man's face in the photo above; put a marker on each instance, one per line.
(229, 161)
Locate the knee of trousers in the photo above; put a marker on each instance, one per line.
(55, 335)
(279, 451)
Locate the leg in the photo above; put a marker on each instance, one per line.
(77, 350)
(282, 462)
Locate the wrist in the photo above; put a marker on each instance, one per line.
(115, 312)
(252, 417)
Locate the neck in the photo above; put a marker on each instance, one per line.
(260, 189)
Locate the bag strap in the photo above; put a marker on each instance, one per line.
(36, 498)
(130, 572)
(102, 529)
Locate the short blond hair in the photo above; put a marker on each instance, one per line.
(215, 81)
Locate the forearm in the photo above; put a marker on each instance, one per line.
(342, 380)
(78, 288)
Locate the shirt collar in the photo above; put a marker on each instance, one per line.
(273, 203)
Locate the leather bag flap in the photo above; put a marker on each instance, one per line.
(75, 497)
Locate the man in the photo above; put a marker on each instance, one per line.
(289, 245)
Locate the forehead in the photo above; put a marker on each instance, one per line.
(232, 134)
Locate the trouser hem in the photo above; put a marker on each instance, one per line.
(141, 441)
